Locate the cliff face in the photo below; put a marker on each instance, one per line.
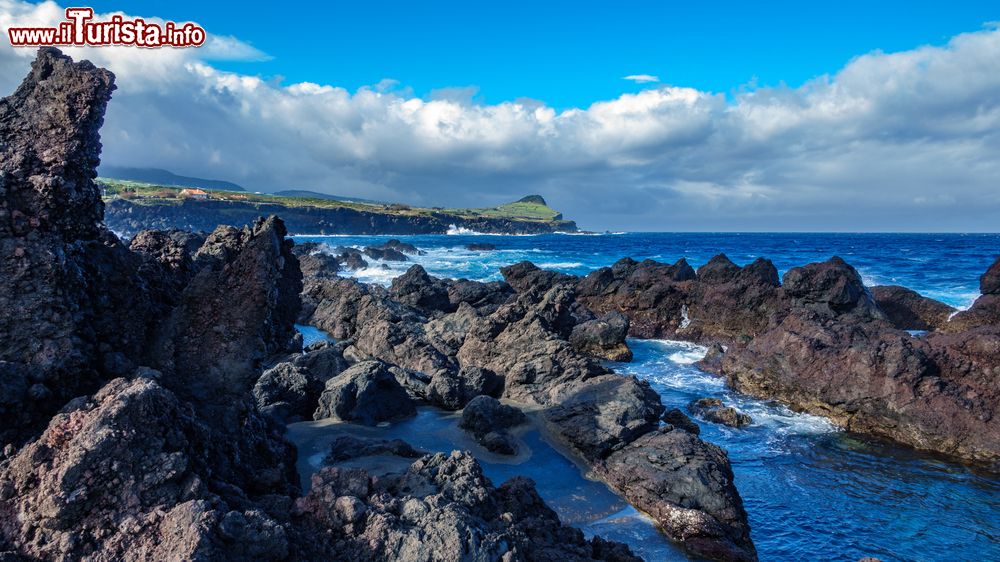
(127, 218)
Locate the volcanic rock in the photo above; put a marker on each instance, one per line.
(452, 391)
(347, 447)
(237, 311)
(909, 310)
(419, 290)
(366, 393)
(679, 420)
(603, 337)
(830, 288)
(719, 269)
(713, 410)
(75, 308)
(989, 282)
(441, 508)
(687, 487)
(526, 276)
(488, 420)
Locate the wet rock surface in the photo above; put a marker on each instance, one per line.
(678, 419)
(670, 301)
(713, 410)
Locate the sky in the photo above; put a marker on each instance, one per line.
(663, 116)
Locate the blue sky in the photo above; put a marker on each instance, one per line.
(567, 53)
(797, 116)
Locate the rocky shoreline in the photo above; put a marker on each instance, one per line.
(820, 342)
(147, 385)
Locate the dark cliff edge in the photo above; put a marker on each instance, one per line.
(127, 218)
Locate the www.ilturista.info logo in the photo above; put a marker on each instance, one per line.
(80, 30)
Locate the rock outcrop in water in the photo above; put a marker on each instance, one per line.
(130, 381)
(485, 330)
(489, 421)
(821, 342)
(713, 410)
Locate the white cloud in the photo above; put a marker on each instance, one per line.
(893, 141)
(641, 78)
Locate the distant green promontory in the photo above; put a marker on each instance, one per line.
(133, 205)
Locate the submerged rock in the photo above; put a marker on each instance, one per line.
(480, 247)
(347, 447)
(713, 410)
(404, 247)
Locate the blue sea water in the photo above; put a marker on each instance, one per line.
(812, 492)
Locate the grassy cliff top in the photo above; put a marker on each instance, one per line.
(531, 208)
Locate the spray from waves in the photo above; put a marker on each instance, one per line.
(454, 230)
(668, 366)
(681, 352)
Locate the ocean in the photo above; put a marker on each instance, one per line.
(811, 490)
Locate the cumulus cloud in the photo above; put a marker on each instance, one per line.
(892, 141)
(641, 78)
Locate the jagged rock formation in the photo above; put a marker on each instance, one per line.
(131, 384)
(447, 349)
(441, 508)
(73, 305)
(366, 393)
(821, 342)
